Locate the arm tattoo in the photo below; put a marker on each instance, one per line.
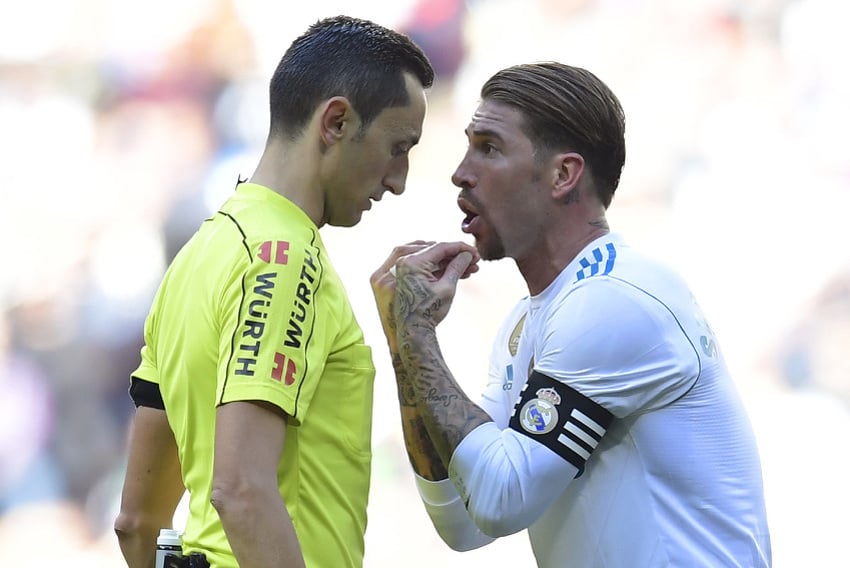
(391, 319)
(406, 392)
(420, 450)
(442, 413)
(446, 411)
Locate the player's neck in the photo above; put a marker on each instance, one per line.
(542, 265)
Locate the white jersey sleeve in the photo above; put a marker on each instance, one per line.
(449, 515)
(617, 345)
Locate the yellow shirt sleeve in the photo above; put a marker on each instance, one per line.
(280, 335)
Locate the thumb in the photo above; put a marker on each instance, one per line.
(457, 266)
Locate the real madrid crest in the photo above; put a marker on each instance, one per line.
(540, 415)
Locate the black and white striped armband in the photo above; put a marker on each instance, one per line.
(561, 418)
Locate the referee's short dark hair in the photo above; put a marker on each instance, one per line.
(344, 56)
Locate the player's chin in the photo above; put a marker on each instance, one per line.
(489, 249)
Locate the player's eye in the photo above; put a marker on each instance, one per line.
(488, 148)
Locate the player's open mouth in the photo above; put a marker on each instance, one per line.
(468, 224)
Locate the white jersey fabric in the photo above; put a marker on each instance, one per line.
(674, 480)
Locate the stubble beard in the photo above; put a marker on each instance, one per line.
(493, 250)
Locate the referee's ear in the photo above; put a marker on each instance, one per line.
(336, 118)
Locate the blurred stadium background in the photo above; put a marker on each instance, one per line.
(124, 123)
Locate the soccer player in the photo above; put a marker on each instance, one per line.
(610, 427)
(255, 386)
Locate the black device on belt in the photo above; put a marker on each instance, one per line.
(194, 560)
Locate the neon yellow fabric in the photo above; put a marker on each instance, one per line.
(251, 309)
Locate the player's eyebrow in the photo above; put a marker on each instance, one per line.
(482, 132)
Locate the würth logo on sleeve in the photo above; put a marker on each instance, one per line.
(254, 325)
(286, 368)
(301, 303)
(280, 250)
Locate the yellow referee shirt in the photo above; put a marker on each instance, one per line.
(251, 309)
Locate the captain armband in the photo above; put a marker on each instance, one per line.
(561, 418)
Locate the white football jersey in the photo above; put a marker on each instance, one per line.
(669, 472)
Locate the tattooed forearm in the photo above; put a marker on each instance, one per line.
(390, 319)
(420, 449)
(440, 414)
(421, 452)
(446, 411)
(406, 392)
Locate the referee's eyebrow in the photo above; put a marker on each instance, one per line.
(411, 137)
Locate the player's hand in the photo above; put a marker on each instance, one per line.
(426, 281)
(383, 282)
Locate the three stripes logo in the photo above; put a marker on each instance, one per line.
(581, 434)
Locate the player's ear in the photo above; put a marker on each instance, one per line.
(566, 174)
(335, 119)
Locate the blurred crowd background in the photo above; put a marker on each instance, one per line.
(123, 124)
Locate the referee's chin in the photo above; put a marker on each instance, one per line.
(350, 220)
